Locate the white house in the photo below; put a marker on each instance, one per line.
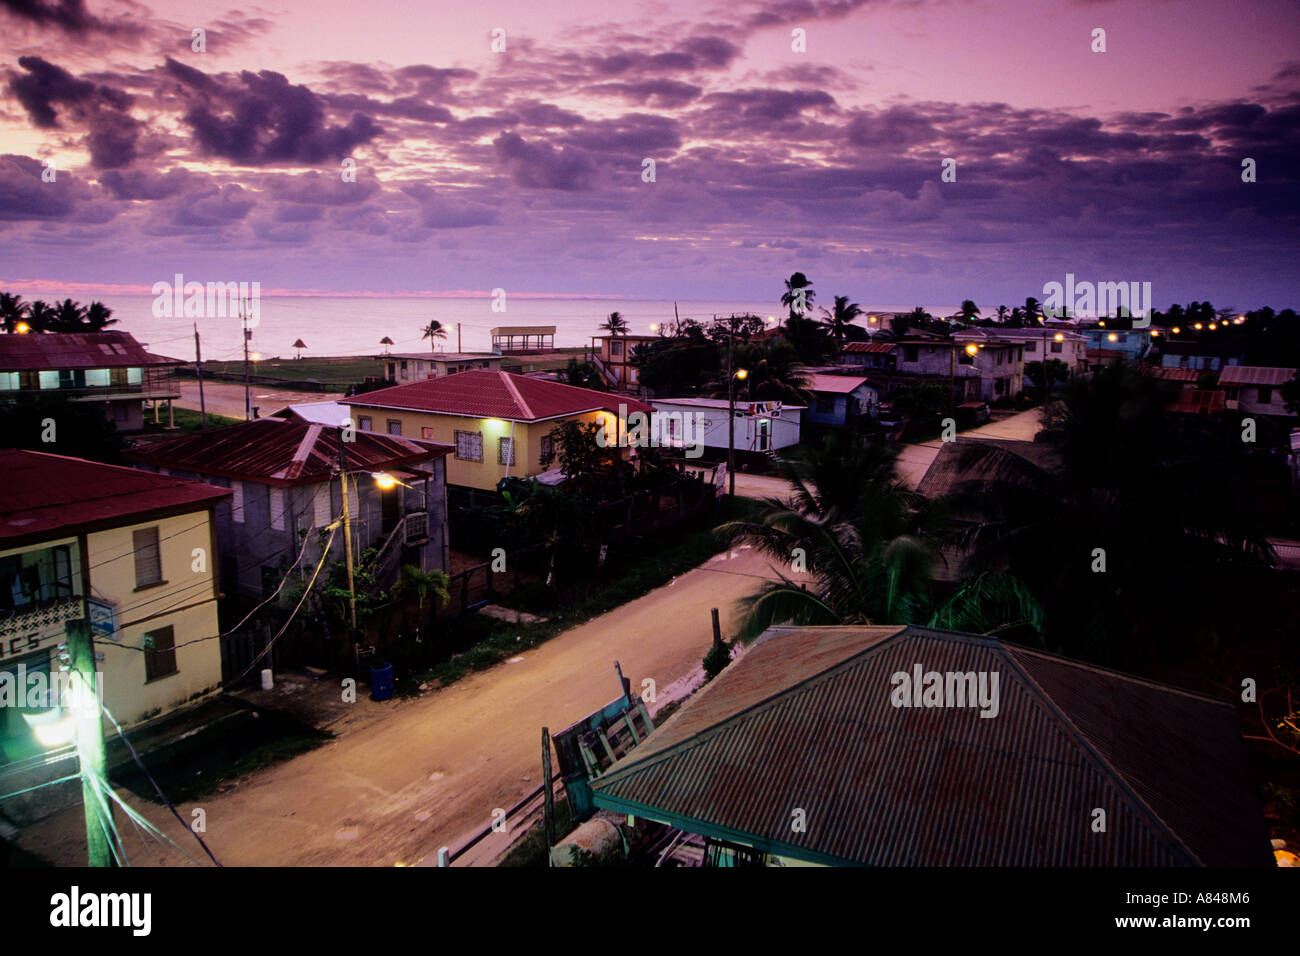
(761, 427)
(1256, 390)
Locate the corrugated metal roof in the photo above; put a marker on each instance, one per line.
(282, 452)
(483, 393)
(1255, 375)
(51, 495)
(834, 384)
(804, 721)
(869, 348)
(1198, 401)
(50, 351)
(1175, 374)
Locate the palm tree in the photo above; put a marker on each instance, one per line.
(614, 325)
(841, 317)
(99, 317)
(869, 546)
(12, 311)
(433, 332)
(969, 310)
(773, 373)
(40, 316)
(69, 316)
(798, 295)
(1002, 313)
(1033, 312)
(1156, 498)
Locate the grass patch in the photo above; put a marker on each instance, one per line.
(187, 420)
(668, 553)
(337, 372)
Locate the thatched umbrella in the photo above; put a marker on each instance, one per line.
(300, 344)
(385, 342)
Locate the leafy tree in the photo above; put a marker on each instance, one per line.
(682, 361)
(79, 429)
(583, 375)
(922, 402)
(773, 374)
(1291, 394)
(1057, 371)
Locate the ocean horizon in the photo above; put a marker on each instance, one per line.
(340, 326)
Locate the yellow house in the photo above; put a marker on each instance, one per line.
(498, 422)
(131, 551)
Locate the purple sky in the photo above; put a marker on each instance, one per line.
(522, 169)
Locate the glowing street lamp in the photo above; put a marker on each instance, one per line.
(1176, 330)
(22, 328)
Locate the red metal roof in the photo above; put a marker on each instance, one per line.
(282, 452)
(50, 351)
(805, 719)
(1174, 374)
(1255, 375)
(870, 348)
(483, 393)
(49, 496)
(834, 384)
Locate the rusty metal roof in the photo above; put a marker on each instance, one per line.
(282, 452)
(1255, 375)
(1199, 401)
(47, 496)
(804, 721)
(869, 348)
(50, 351)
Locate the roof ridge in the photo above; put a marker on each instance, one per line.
(1081, 740)
(766, 637)
(514, 393)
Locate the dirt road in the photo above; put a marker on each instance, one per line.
(227, 398)
(404, 778)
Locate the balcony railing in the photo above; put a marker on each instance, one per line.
(44, 617)
(154, 383)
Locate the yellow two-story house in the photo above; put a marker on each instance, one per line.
(132, 552)
(499, 423)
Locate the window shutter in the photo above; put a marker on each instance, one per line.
(277, 508)
(237, 502)
(148, 559)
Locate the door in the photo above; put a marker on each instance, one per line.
(764, 434)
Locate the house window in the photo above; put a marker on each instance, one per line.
(426, 432)
(1265, 396)
(1056, 346)
(1031, 346)
(546, 447)
(276, 504)
(364, 423)
(237, 502)
(160, 653)
(394, 427)
(505, 451)
(148, 557)
(615, 348)
(965, 358)
(403, 366)
(910, 353)
(469, 446)
(72, 378)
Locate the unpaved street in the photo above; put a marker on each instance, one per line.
(405, 778)
(227, 398)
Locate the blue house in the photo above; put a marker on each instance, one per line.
(840, 399)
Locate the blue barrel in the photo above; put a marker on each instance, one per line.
(381, 682)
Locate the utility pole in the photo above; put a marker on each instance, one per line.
(458, 325)
(548, 795)
(90, 742)
(347, 532)
(248, 334)
(731, 408)
(198, 371)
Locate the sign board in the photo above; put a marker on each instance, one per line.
(103, 617)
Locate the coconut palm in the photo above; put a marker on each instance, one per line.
(40, 316)
(99, 317)
(798, 295)
(434, 331)
(773, 373)
(1002, 313)
(69, 316)
(12, 311)
(841, 317)
(969, 311)
(615, 324)
(1033, 312)
(1135, 539)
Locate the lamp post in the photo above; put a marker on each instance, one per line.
(731, 412)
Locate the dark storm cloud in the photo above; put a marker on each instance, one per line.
(69, 15)
(541, 166)
(260, 118)
(145, 184)
(47, 91)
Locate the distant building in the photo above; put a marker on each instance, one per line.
(523, 338)
(316, 413)
(498, 423)
(871, 355)
(840, 399)
(993, 370)
(109, 369)
(612, 356)
(1256, 390)
(762, 428)
(1195, 354)
(1061, 344)
(284, 486)
(131, 551)
(889, 746)
(418, 366)
(1105, 345)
